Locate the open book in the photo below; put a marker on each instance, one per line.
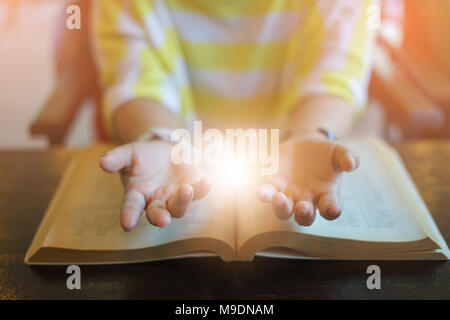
(383, 217)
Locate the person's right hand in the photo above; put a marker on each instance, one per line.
(153, 183)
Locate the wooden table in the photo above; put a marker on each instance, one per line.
(29, 178)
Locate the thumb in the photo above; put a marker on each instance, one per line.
(117, 159)
(344, 159)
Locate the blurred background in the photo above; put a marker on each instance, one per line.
(49, 96)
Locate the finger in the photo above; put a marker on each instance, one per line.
(117, 159)
(280, 183)
(157, 214)
(164, 193)
(329, 206)
(344, 159)
(132, 207)
(180, 200)
(266, 192)
(304, 213)
(282, 206)
(201, 188)
(297, 193)
(189, 172)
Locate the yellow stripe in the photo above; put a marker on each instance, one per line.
(112, 49)
(227, 9)
(229, 108)
(155, 63)
(234, 57)
(337, 81)
(305, 49)
(141, 8)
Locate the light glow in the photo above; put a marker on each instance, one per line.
(233, 173)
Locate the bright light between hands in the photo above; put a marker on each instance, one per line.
(233, 174)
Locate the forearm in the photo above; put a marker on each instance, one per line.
(328, 112)
(134, 118)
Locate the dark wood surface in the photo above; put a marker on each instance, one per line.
(29, 178)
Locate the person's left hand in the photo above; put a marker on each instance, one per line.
(309, 178)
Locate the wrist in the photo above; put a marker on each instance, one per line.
(134, 118)
(156, 134)
(162, 135)
(318, 134)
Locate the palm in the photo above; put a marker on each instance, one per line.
(151, 169)
(309, 178)
(308, 166)
(153, 183)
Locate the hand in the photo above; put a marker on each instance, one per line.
(309, 178)
(153, 183)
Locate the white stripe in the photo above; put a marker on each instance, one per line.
(237, 84)
(128, 26)
(171, 98)
(358, 91)
(172, 84)
(128, 69)
(272, 27)
(340, 19)
(181, 73)
(156, 22)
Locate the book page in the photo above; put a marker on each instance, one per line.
(88, 209)
(374, 208)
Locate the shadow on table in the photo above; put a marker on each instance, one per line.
(264, 278)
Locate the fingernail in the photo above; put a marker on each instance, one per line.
(186, 195)
(165, 220)
(352, 162)
(303, 208)
(278, 202)
(333, 211)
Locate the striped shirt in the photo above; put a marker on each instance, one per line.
(231, 58)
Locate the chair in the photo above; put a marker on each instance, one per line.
(76, 82)
(416, 93)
